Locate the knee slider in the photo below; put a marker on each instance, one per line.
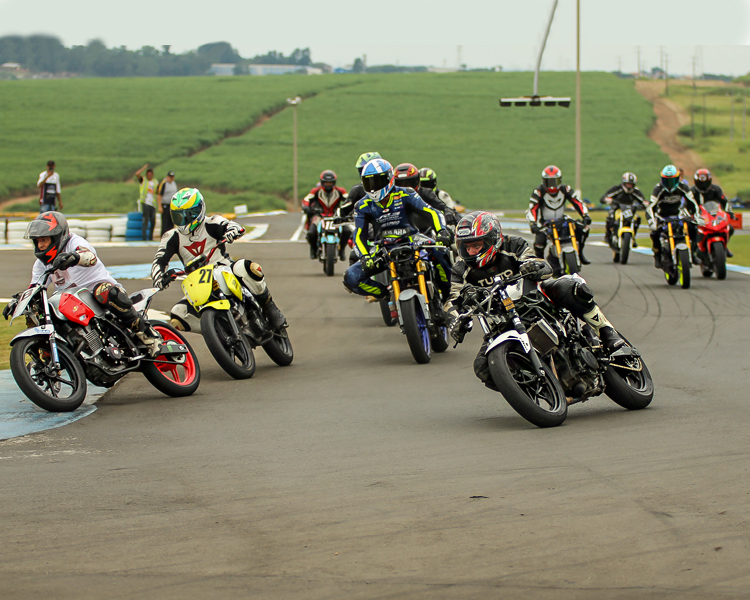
(583, 293)
(251, 275)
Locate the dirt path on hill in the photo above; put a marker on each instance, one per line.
(670, 116)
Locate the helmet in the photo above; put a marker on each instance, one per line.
(328, 180)
(628, 182)
(407, 175)
(479, 226)
(188, 210)
(377, 179)
(49, 224)
(552, 179)
(427, 178)
(364, 159)
(702, 179)
(670, 178)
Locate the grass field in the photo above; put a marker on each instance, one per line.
(727, 159)
(484, 155)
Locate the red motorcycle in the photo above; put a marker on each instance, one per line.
(712, 247)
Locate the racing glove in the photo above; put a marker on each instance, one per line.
(459, 327)
(530, 268)
(444, 237)
(66, 260)
(11, 306)
(586, 220)
(234, 233)
(372, 262)
(535, 228)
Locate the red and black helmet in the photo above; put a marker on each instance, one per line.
(628, 183)
(328, 180)
(50, 224)
(407, 175)
(479, 226)
(702, 179)
(552, 179)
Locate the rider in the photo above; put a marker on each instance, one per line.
(704, 190)
(627, 195)
(547, 203)
(428, 179)
(323, 200)
(387, 207)
(407, 175)
(357, 192)
(484, 253)
(666, 200)
(79, 267)
(195, 234)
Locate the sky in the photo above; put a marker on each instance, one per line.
(439, 33)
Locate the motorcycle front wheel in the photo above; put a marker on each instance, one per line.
(417, 332)
(719, 259)
(683, 268)
(279, 348)
(625, 242)
(541, 401)
(235, 357)
(173, 379)
(570, 263)
(61, 391)
(629, 388)
(330, 259)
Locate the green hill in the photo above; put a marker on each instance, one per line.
(485, 155)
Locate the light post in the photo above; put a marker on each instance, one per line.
(578, 98)
(294, 102)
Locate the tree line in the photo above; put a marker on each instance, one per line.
(47, 54)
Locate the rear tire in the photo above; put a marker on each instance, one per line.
(719, 258)
(330, 259)
(173, 380)
(625, 243)
(540, 403)
(417, 333)
(236, 359)
(33, 382)
(683, 268)
(279, 348)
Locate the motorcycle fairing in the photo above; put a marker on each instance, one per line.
(75, 309)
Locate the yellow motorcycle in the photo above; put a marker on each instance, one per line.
(232, 322)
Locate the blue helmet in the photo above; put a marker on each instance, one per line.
(377, 179)
(670, 178)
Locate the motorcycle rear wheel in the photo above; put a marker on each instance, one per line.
(542, 403)
(29, 356)
(175, 380)
(625, 242)
(279, 348)
(237, 359)
(417, 332)
(719, 259)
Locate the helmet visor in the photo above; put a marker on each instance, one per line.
(412, 182)
(670, 182)
(376, 182)
(42, 228)
(552, 183)
(185, 216)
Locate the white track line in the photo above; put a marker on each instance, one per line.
(299, 230)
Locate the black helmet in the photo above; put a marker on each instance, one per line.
(328, 180)
(427, 178)
(479, 226)
(50, 224)
(629, 180)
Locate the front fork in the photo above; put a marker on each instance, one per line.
(52, 340)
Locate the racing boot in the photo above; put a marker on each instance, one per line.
(147, 335)
(730, 254)
(657, 258)
(271, 311)
(611, 340)
(313, 252)
(584, 260)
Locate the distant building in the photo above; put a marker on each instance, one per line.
(222, 69)
(11, 66)
(282, 69)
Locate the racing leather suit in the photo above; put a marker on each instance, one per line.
(391, 220)
(666, 203)
(187, 247)
(544, 207)
(325, 204)
(569, 291)
(620, 198)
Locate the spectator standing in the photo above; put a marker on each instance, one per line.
(50, 191)
(164, 193)
(147, 200)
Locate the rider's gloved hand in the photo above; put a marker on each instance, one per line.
(529, 268)
(372, 262)
(700, 221)
(233, 234)
(162, 281)
(535, 228)
(586, 220)
(66, 260)
(451, 217)
(459, 327)
(11, 306)
(444, 237)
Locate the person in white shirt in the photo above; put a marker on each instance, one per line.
(164, 193)
(79, 267)
(148, 187)
(50, 191)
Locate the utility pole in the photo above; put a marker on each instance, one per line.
(294, 103)
(704, 115)
(666, 73)
(731, 120)
(744, 103)
(638, 70)
(692, 106)
(578, 98)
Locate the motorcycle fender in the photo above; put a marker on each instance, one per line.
(407, 295)
(622, 230)
(41, 331)
(681, 246)
(715, 238)
(508, 336)
(217, 304)
(330, 239)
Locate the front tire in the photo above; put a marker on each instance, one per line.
(625, 242)
(330, 259)
(175, 380)
(541, 403)
(417, 332)
(719, 258)
(683, 268)
(279, 348)
(632, 390)
(570, 263)
(236, 358)
(63, 392)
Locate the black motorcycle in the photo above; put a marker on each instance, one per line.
(676, 258)
(563, 253)
(542, 358)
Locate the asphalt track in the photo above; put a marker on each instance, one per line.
(356, 473)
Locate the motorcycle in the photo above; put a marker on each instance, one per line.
(542, 358)
(329, 240)
(231, 320)
(563, 253)
(715, 237)
(676, 258)
(620, 244)
(72, 338)
(415, 300)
